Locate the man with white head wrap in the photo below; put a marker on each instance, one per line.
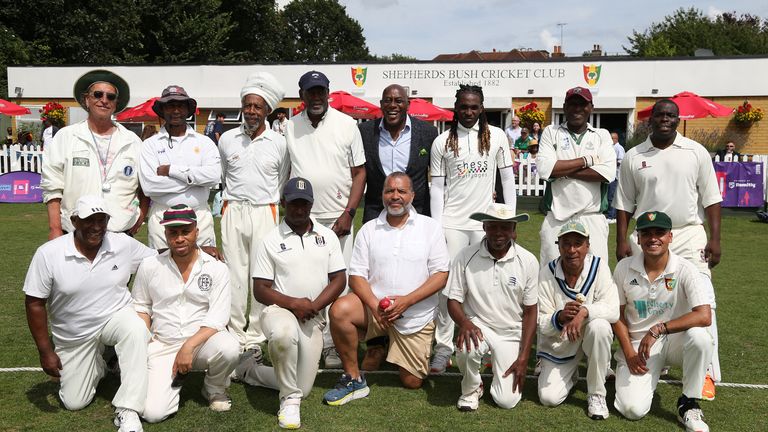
(255, 165)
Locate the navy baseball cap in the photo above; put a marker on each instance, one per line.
(313, 79)
(298, 188)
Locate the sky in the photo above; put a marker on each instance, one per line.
(426, 28)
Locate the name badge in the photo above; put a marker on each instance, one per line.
(81, 161)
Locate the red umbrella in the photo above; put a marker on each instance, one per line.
(11, 109)
(692, 106)
(142, 113)
(349, 105)
(424, 110)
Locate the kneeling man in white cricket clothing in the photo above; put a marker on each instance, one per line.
(299, 270)
(665, 310)
(183, 297)
(79, 281)
(578, 302)
(492, 296)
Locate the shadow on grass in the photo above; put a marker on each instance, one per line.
(41, 394)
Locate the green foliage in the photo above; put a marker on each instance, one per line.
(321, 31)
(687, 30)
(258, 31)
(394, 57)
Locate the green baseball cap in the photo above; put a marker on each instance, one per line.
(653, 219)
(573, 226)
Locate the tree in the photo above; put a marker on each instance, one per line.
(687, 30)
(321, 31)
(12, 51)
(257, 35)
(394, 57)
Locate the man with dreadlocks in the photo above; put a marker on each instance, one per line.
(463, 167)
(578, 163)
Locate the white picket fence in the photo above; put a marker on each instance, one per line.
(20, 158)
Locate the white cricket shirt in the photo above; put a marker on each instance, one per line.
(397, 261)
(568, 197)
(677, 290)
(178, 309)
(494, 292)
(470, 177)
(298, 265)
(679, 181)
(324, 156)
(83, 295)
(195, 168)
(254, 170)
(602, 301)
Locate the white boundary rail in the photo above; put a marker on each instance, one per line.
(17, 157)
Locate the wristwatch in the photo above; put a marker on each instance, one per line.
(351, 211)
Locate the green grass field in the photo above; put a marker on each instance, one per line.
(29, 400)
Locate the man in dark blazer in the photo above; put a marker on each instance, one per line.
(396, 142)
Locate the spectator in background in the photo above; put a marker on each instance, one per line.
(281, 122)
(514, 130)
(49, 130)
(522, 143)
(536, 132)
(619, 149)
(214, 129)
(9, 136)
(728, 153)
(148, 131)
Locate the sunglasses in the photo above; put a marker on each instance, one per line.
(98, 94)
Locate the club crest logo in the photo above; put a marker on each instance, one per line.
(651, 217)
(670, 283)
(592, 74)
(359, 74)
(204, 282)
(320, 240)
(128, 170)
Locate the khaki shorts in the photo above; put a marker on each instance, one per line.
(410, 352)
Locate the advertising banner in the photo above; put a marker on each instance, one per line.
(20, 187)
(741, 183)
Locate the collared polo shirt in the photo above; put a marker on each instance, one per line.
(675, 292)
(679, 181)
(568, 197)
(397, 261)
(470, 177)
(494, 292)
(83, 295)
(179, 309)
(254, 170)
(195, 168)
(298, 265)
(394, 154)
(325, 156)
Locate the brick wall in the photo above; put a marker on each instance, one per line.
(752, 139)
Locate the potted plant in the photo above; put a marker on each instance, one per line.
(746, 114)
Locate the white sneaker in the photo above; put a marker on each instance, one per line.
(693, 420)
(440, 362)
(470, 402)
(127, 420)
(597, 409)
(219, 402)
(331, 358)
(248, 359)
(289, 416)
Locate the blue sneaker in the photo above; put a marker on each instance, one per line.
(347, 390)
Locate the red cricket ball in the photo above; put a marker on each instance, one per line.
(385, 303)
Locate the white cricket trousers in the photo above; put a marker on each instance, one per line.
(689, 242)
(83, 367)
(294, 349)
(347, 245)
(557, 379)
(243, 225)
(692, 349)
(156, 232)
(455, 240)
(550, 228)
(505, 350)
(218, 355)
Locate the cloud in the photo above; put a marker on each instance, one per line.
(547, 40)
(714, 12)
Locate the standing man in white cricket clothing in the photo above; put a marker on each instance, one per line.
(326, 148)
(464, 164)
(673, 174)
(255, 165)
(183, 297)
(578, 302)
(79, 281)
(492, 296)
(299, 271)
(578, 162)
(179, 166)
(664, 319)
